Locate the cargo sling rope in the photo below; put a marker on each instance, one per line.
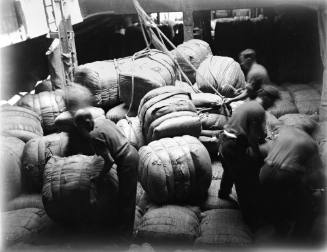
(150, 24)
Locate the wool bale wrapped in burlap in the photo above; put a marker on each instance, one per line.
(169, 223)
(64, 121)
(202, 100)
(102, 79)
(168, 112)
(222, 73)
(36, 154)
(305, 122)
(307, 101)
(194, 51)
(71, 197)
(11, 151)
(317, 86)
(293, 87)
(119, 112)
(24, 201)
(48, 105)
(19, 225)
(185, 86)
(225, 228)
(211, 121)
(284, 106)
(213, 202)
(132, 130)
(20, 122)
(175, 170)
(148, 71)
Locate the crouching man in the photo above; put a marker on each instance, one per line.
(107, 141)
(291, 172)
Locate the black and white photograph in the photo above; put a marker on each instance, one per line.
(163, 125)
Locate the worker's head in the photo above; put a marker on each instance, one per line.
(83, 121)
(77, 97)
(246, 59)
(267, 96)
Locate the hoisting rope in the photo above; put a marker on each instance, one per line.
(150, 24)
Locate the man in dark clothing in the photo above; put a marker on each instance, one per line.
(107, 141)
(243, 133)
(292, 169)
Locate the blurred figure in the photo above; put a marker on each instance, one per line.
(103, 137)
(253, 70)
(291, 172)
(244, 132)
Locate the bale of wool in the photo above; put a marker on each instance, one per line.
(194, 51)
(284, 106)
(132, 130)
(11, 151)
(48, 105)
(119, 112)
(211, 121)
(24, 201)
(102, 79)
(148, 71)
(175, 170)
(36, 154)
(302, 121)
(70, 195)
(224, 227)
(64, 121)
(168, 112)
(169, 223)
(307, 101)
(317, 86)
(185, 86)
(43, 86)
(213, 202)
(236, 104)
(20, 122)
(211, 143)
(293, 87)
(137, 220)
(222, 73)
(19, 225)
(202, 100)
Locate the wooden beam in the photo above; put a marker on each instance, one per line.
(187, 20)
(90, 7)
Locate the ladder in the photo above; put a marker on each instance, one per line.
(64, 32)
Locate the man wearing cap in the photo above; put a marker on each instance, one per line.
(242, 134)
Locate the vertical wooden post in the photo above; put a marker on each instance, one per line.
(187, 20)
(323, 44)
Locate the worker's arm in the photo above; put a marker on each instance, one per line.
(241, 96)
(256, 134)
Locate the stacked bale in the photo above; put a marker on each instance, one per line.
(284, 106)
(185, 86)
(169, 223)
(102, 79)
(119, 112)
(168, 112)
(148, 71)
(194, 51)
(225, 228)
(132, 130)
(48, 105)
(64, 121)
(20, 122)
(175, 170)
(221, 73)
(24, 201)
(306, 122)
(36, 154)
(11, 152)
(70, 196)
(19, 225)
